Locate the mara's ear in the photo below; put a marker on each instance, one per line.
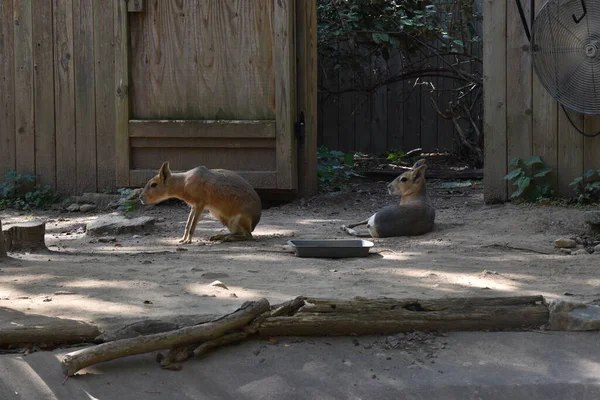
(164, 171)
(419, 173)
(419, 163)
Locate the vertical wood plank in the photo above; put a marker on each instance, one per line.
(379, 128)
(519, 89)
(285, 97)
(494, 75)
(122, 94)
(104, 73)
(429, 118)
(135, 5)
(570, 151)
(23, 56)
(395, 98)
(591, 148)
(64, 97)
(306, 54)
(412, 116)
(7, 88)
(85, 98)
(43, 55)
(545, 124)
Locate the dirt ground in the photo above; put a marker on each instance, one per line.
(475, 250)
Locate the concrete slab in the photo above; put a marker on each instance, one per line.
(553, 365)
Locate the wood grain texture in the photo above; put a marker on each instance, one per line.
(121, 92)
(7, 88)
(494, 75)
(518, 90)
(570, 151)
(591, 146)
(24, 115)
(285, 93)
(135, 5)
(43, 56)
(85, 95)
(202, 129)
(545, 124)
(411, 116)
(215, 143)
(205, 59)
(104, 73)
(395, 100)
(64, 91)
(379, 131)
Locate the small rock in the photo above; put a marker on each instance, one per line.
(333, 270)
(592, 218)
(47, 299)
(147, 302)
(87, 207)
(567, 294)
(566, 251)
(196, 269)
(117, 224)
(219, 284)
(597, 249)
(565, 243)
(146, 262)
(73, 207)
(107, 239)
(233, 296)
(135, 193)
(137, 236)
(181, 249)
(580, 252)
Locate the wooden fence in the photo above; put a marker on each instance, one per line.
(97, 93)
(521, 119)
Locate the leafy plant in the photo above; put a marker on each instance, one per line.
(394, 155)
(20, 192)
(126, 203)
(334, 168)
(587, 187)
(527, 176)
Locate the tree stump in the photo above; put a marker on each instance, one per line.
(2, 246)
(25, 237)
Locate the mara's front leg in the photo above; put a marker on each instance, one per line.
(190, 226)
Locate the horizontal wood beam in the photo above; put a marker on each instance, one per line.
(202, 128)
(258, 179)
(216, 143)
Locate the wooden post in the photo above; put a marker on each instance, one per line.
(306, 75)
(2, 245)
(495, 80)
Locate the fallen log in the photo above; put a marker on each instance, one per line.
(19, 328)
(27, 236)
(73, 362)
(321, 317)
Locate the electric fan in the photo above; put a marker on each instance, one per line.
(565, 47)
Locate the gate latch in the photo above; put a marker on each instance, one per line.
(299, 128)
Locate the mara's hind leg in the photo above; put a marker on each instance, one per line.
(348, 229)
(240, 227)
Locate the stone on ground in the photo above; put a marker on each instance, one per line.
(565, 243)
(118, 224)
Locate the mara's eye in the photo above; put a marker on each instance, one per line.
(153, 184)
(403, 179)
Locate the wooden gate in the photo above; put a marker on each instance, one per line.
(206, 82)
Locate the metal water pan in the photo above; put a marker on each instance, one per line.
(329, 248)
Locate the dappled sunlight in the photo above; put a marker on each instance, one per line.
(95, 284)
(303, 221)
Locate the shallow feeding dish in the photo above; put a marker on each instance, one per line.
(328, 248)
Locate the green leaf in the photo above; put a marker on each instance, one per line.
(542, 172)
(534, 160)
(576, 181)
(590, 173)
(515, 162)
(522, 184)
(512, 175)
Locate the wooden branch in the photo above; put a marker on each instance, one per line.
(331, 317)
(73, 362)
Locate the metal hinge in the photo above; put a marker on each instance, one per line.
(299, 128)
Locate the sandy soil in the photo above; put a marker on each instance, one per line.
(475, 250)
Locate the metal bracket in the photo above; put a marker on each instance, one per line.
(578, 20)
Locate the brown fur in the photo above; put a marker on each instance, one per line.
(228, 196)
(414, 215)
